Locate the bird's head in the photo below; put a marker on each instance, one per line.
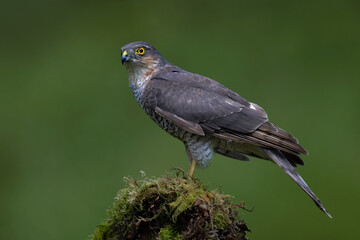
(140, 55)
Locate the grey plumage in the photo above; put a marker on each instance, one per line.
(208, 117)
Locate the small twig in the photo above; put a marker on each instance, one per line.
(242, 206)
(178, 171)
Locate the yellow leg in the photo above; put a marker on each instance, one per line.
(192, 167)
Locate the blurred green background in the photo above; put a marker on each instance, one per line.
(71, 129)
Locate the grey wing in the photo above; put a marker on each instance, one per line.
(201, 105)
(190, 100)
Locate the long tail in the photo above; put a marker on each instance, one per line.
(279, 158)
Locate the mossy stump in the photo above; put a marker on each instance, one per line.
(171, 207)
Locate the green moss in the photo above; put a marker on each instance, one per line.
(101, 231)
(168, 233)
(170, 207)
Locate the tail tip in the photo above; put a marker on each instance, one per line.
(326, 212)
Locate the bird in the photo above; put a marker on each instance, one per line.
(208, 117)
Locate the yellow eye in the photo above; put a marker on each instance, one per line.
(140, 51)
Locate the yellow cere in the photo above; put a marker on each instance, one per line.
(124, 53)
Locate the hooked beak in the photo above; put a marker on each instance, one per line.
(125, 57)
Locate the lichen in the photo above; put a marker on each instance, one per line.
(171, 207)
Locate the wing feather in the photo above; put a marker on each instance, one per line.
(182, 123)
(202, 101)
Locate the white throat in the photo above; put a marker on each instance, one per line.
(139, 76)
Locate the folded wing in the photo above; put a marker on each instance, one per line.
(203, 106)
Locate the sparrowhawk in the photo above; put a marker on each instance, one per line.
(206, 116)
